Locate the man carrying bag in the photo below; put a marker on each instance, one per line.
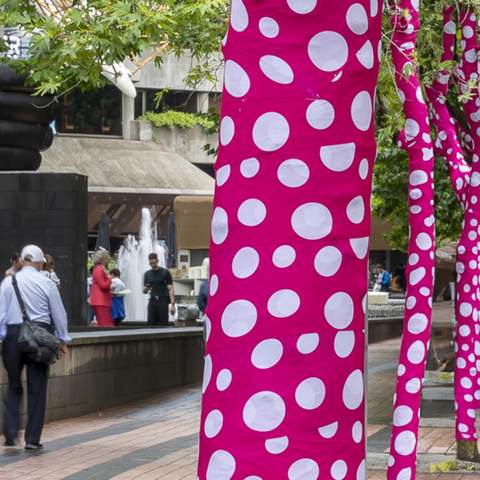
(34, 332)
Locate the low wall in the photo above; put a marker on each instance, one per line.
(104, 369)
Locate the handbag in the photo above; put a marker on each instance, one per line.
(39, 344)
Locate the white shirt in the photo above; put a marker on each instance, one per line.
(42, 301)
(117, 285)
(52, 276)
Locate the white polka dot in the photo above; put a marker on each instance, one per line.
(463, 428)
(327, 261)
(283, 303)
(418, 177)
(362, 111)
(363, 169)
(423, 241)
(373, 8)
(310, 393)
(338, 470)
(223, 173)
(308, 343)
(405, 443)
(410, 303)
(239, 318)
(339, 310)
(268, 27)
(362, 471)
(264, 411)
(239, 16)
(224, 379)
(328, 51)
(207, 372)
(328, 431)
(219, 226)
(402, 416)
(353, 390)
(344, 343)
(405, 474)
(293, 173)
(302, 6)
(252, 212)
(360, 247)
(276, 445)
(356, 210)
(416, 352)
(417, 323)
(271, 131)
(312, 221)
(413, 259)
(413, 385)
(267, 353)
(417, 275)
(412, 129)
(320, 114)
(276, 69)
(227, 130)
(464, 331)
(303, 469)
(357, 19)
(245, 262)
(366, 55)
(208, 327)
(401, 370)
(357, 432)
(213, 423)
(284, 256)
(466, 309)
(237, 82)
(249, 167)
(221, 466)
(338, 158)
(213, 285)
(466, 383)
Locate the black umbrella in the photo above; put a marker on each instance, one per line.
(103, 237)
(171, 240)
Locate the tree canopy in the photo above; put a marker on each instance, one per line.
(70, 40)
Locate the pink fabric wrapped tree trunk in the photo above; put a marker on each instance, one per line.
(417, 142)
(283, 390)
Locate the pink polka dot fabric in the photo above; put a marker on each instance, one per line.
(416, 140)
(283, 390)
(467, 342)
(466, 305)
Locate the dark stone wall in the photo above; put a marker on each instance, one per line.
(105, 369)
(49, 210)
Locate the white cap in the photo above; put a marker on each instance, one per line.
(34, 253)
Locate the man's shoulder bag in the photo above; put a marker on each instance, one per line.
(37, 342)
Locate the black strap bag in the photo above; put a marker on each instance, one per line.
(38, 343)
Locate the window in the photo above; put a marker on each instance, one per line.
(182, 101)
(91, 113)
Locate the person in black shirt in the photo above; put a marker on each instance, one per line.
(158, 282)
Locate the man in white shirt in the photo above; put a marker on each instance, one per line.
(44, 307)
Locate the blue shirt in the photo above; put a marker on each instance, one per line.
(42, 301)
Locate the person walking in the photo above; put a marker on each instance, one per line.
(101, 295)
(118, 308)
(45, 308)
(49, 270)
(158, 282)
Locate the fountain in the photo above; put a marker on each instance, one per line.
(133, 263)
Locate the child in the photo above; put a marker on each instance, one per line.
(118, 309)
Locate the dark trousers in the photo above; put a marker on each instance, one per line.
(158, 311)
(37, 377)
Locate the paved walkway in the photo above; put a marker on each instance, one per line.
(157, 439)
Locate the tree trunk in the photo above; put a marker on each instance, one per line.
(283, 390)
(416, 141)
